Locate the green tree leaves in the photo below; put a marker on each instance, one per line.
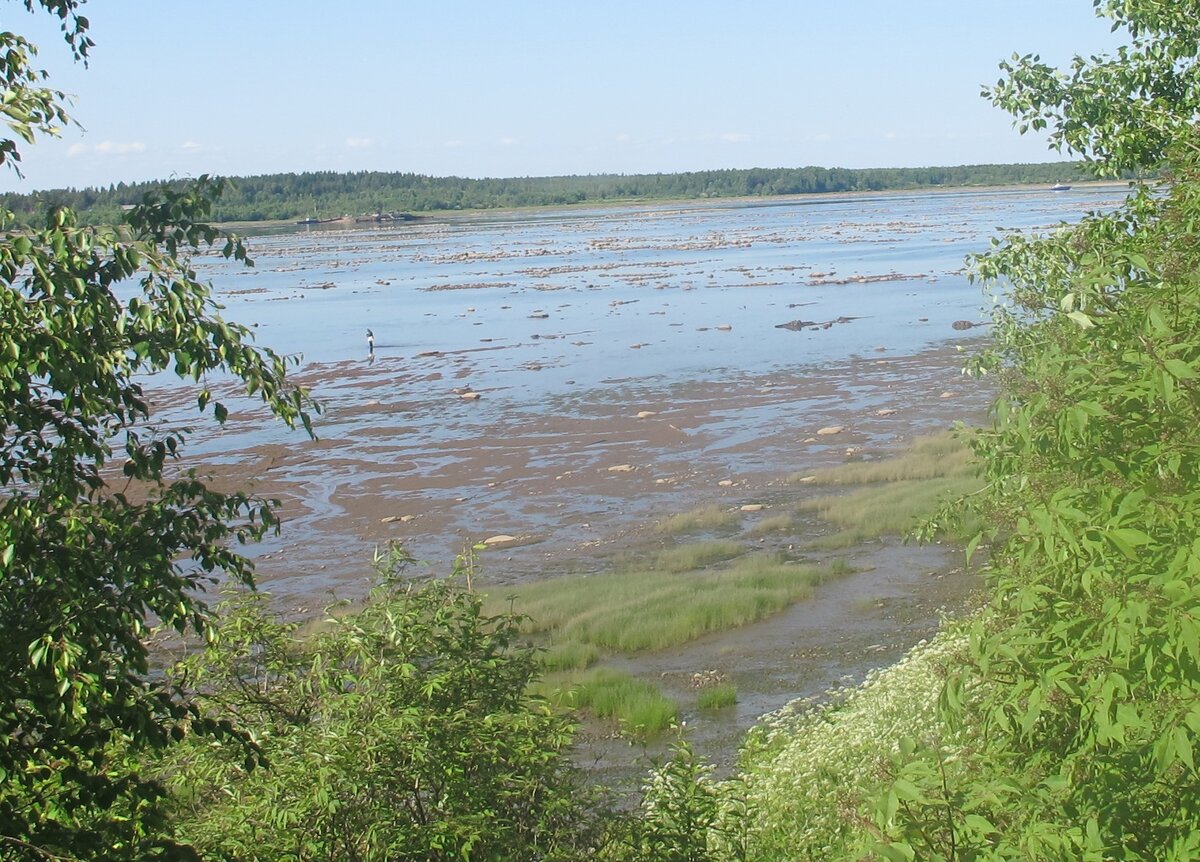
(403, 731)
(99, 535)
(1083, 676)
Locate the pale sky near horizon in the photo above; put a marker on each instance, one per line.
(183, 87)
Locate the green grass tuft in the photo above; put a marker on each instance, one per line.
(639, 706)
(569, 655)
(902, 492)
(717, 696)
(774, 524)
(931, 457)
(633, 610)
(688, 558)
(705, 519)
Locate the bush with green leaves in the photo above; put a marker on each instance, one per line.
(684, 815)
(1082, 687)
(99, 532)
(401, 731)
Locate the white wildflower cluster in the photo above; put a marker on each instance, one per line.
(814, 769)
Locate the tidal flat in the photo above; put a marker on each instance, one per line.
(573, 385)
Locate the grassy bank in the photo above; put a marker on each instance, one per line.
(892, 497)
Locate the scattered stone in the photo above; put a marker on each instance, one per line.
(753, 507)
(539, 315)
(798, 325)
(404, 519)
(425, 353)
(726, 483)
(886, 411)
(469, 396)
(502, 539)
(831, 429)
(622, 468)
(963, 324)
(809, 440)
(804, 480)
(948, 394)
(390, 519)
(707, 678)
(646, 414)
(724, 327)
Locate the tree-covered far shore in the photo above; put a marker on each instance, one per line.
(327, 194)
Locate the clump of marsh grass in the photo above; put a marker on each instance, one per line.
(690, 557)
(894, 509)
(902, 492)
(639, 706)
(710, 518)
(569, 655)
(933, 457)
(649, 609)
(774, 524)
(717, 696)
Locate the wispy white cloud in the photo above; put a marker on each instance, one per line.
(507, 142)
(119, 148)
(360, 143)
(107, 148)
(190, 147)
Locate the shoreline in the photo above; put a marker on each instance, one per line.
(475, 215)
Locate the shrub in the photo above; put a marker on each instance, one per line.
(402, 731)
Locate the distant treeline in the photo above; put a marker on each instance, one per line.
(325, 194)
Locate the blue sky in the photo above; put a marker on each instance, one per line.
(184, 87)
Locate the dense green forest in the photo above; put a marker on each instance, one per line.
(324, 194)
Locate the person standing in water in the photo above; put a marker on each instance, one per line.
(370, 341)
